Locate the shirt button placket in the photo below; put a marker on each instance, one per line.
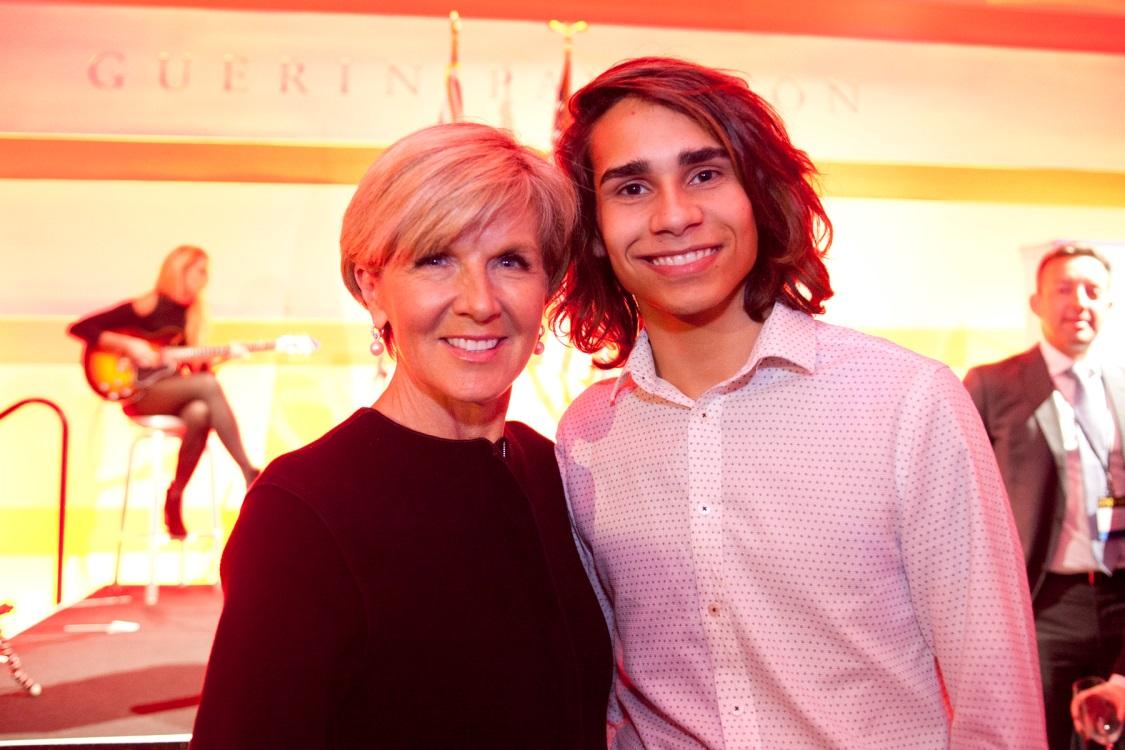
(705, 478)
(705, 446)
(705, 482)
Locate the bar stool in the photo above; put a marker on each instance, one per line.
(154, 429)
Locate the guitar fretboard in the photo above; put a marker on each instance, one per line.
(204, 352)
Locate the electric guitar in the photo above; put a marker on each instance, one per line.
(115, 377)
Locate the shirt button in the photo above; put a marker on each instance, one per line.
(705, 509)
(737, 710)
(713, 609)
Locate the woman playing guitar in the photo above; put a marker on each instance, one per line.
(171, 314)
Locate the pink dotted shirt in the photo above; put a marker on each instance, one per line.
(816, 553)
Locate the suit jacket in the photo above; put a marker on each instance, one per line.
(1013, 397)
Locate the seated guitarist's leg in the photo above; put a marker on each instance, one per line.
(226, 427)
(199, 401)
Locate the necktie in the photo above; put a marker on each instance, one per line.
(1087, 415)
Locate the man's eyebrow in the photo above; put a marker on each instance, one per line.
(700, 155)
(686, 159)
(631, 169)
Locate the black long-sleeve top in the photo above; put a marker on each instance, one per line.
(168, 317)
(389, 589)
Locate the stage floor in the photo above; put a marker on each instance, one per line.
(141, 678)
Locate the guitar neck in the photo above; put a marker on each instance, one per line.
(187, 353)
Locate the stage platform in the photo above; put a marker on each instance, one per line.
(110, 667)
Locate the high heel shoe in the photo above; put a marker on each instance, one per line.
(173, 515)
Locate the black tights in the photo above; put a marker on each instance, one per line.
(198, 400)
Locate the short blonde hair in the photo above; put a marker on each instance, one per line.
(432, 186)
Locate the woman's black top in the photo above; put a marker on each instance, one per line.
(168, 317)
(390, 589)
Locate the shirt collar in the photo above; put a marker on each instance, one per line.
(787, 335)
(1059, 363)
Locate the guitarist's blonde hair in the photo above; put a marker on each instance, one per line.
(170, 283)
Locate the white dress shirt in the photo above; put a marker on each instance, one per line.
(1078, 549)
(815, 553)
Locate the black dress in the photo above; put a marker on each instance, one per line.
(389, 589)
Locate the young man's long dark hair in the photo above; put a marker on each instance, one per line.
(793, 230)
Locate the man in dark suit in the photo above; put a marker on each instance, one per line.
(1055, 415)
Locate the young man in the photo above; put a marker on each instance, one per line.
(797, 532)
(1055, 414)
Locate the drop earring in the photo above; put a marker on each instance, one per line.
(377, 347)
(539, 347)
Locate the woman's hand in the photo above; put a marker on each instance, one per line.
(142, 353)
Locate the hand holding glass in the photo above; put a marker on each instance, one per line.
(1097, 715)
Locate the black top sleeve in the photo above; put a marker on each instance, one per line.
(291, 623)
(91, 327)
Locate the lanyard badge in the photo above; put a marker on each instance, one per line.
(1110, 517)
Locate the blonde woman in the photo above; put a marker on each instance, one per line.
(409, 580)
(171, 314)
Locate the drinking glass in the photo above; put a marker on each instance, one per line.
(1097, 715)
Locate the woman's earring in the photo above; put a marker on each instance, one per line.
(539, 342)
(377, 347)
